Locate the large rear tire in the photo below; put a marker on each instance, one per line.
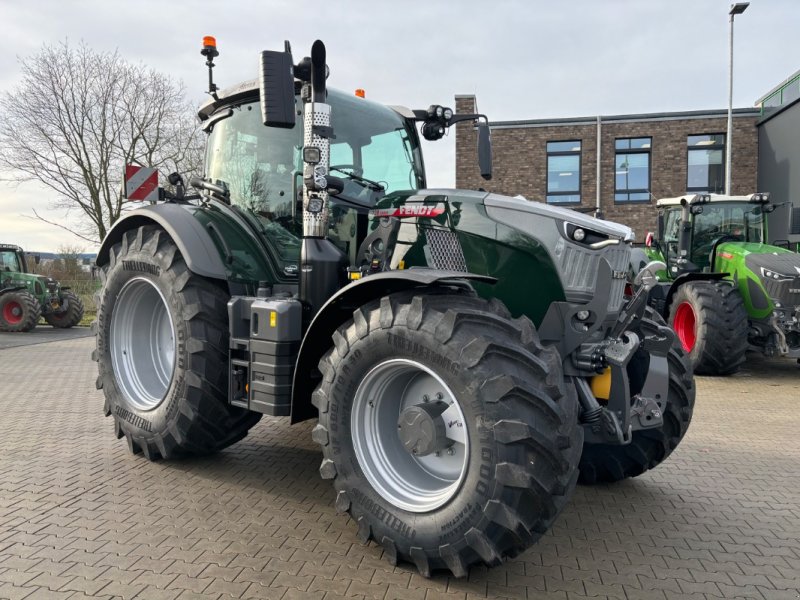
(711, 322)
(69, 317)
(19, 311)
(510, 422)
(162, 351)
(606, 463)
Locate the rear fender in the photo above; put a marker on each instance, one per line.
(339, 309)
(192, 239)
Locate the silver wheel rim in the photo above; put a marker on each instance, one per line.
(413, 483)
(142, 341)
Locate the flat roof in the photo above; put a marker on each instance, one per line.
(777, 87)
(712, 198)
(628, 118)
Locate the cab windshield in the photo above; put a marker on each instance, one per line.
(9, 262)
(262, 166)
(719, 221)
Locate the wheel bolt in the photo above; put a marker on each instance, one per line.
(450, 452)
(439, 395)
(425, 398)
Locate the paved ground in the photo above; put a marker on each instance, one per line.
(80, 516)
(42, 333)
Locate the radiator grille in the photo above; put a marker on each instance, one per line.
(445, 250)
(578, 268)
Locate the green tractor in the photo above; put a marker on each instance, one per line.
(26, 297)
(724, 290)
(468, 357)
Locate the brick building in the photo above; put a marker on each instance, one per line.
(642, 158)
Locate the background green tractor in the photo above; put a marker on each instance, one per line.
(468, 356)
(25, 296)
(725, 290)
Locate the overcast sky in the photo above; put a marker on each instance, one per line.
(523, 60)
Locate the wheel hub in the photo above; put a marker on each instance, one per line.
(401, 406)
(142, 343)
(422, 430)
(12, 312)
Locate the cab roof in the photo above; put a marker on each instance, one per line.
(248, 91)
(676, 201)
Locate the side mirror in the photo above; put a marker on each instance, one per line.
(485, 150)
(37, 258)
(647, 276)
(648, 239)
(696, 209)
(660, 225)
(276, 88)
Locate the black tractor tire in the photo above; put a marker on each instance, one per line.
(19, 311)
(193, 417)
(607, 463)
(70, 317)
(521, 421)
(711, 321)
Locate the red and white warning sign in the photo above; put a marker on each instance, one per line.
(141, 183)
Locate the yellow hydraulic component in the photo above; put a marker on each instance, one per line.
(273, 319)
(601, 385)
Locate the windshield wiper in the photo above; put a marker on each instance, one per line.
(373, 185)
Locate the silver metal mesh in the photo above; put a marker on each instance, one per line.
(316, 224)
(445, 250)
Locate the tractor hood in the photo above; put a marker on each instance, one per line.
(531, 248)
(779, 272)
(539, 209)
(776, 269)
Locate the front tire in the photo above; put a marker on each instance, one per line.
(711, 322)
(19, 311)
(607, 463)
(510, 471)
(162, 352)
(69, 317)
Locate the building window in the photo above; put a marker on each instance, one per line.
(632, 170)
(564, 172)
(706, 163)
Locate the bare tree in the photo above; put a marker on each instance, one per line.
(79, 116)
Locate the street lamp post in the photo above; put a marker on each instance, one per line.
(736, 9)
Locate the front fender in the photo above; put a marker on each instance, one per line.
(192, 239)
(339, 309)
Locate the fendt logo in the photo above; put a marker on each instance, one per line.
(409, 210)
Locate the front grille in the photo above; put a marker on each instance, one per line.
(445, 250)
(578, 269)
(786, 292)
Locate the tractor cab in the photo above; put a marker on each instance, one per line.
(692, 227)
(12, 260)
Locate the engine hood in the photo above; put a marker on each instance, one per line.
(520, 203)
(784, 264)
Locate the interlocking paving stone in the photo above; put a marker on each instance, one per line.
(80, 517)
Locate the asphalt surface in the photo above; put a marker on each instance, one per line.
(40, 335)
(81, 517)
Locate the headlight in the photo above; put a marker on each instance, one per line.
(769, 274)
(578, 235)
